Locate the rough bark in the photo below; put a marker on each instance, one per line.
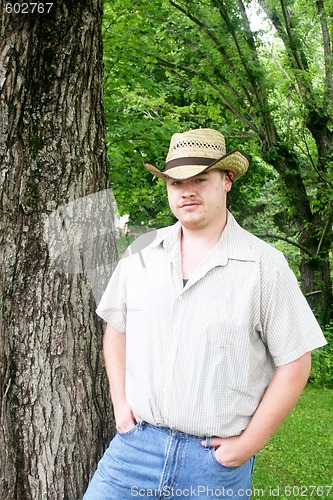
(55, 411)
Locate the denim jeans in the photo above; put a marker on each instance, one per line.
(156, 462)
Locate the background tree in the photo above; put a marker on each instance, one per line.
(267, 86)
(55, 412)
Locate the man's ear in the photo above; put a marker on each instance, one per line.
(229, 180)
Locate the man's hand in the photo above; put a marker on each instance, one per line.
(125, 418)
(230, 451)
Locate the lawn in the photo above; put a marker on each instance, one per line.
(298, 461)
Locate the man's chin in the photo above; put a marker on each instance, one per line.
(193, 224)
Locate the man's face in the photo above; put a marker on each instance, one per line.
(199, 202)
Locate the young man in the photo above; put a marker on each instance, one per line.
(208, 341)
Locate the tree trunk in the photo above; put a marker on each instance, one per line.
(316, 276)
(314, 232)
(55, 412)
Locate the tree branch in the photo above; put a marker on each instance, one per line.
(255, 89)
(328, 55)
(294, 50)
(243, 59)
(175, 69)
(285, 73)
(217, 44)
(219, 75)
(257, 80)
(298, 56)
(327, 230)
(272, 14)
(287, 240)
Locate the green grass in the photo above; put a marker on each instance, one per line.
(300, 454)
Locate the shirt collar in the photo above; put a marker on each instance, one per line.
(234, 242)
(168, 236)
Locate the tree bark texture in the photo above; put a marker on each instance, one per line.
(55, 412)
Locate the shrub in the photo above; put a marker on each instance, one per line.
(322, 362)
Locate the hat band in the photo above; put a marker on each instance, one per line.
(192, 160)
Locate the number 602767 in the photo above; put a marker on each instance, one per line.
(28, 8)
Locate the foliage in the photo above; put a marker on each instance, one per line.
(322, 362)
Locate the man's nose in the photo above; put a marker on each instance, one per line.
(188, 191)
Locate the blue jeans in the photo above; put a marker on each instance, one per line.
(156, 462)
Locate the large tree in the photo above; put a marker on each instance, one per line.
(55, 411)
(267, 85)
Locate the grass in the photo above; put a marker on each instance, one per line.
(299, 457)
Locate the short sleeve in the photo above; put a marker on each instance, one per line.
(112, 307)
(289, 327)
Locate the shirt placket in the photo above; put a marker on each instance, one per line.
(173, 338)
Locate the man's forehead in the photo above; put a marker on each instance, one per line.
(209, 173)
(206, 174)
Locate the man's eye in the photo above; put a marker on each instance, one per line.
(200, 180)
(175, 183)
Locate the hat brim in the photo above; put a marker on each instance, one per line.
(235, 162)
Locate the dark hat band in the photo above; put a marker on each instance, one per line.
(189, 160)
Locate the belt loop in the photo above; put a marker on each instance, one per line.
(208, 444)
(141, 423)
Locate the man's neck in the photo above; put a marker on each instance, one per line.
(203, 237)
(196, 244)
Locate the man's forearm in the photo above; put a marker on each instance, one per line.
(114, 346)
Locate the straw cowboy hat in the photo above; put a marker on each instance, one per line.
(196, 151)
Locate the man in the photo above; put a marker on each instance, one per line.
(208, 341)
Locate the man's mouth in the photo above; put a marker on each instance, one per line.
(189, 204)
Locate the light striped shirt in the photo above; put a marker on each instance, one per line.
(199, 357)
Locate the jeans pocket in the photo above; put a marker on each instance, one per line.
(131, 431)
(220, 464)
(139, 425)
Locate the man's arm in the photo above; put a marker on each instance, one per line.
(279, 399)
(114, 347)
